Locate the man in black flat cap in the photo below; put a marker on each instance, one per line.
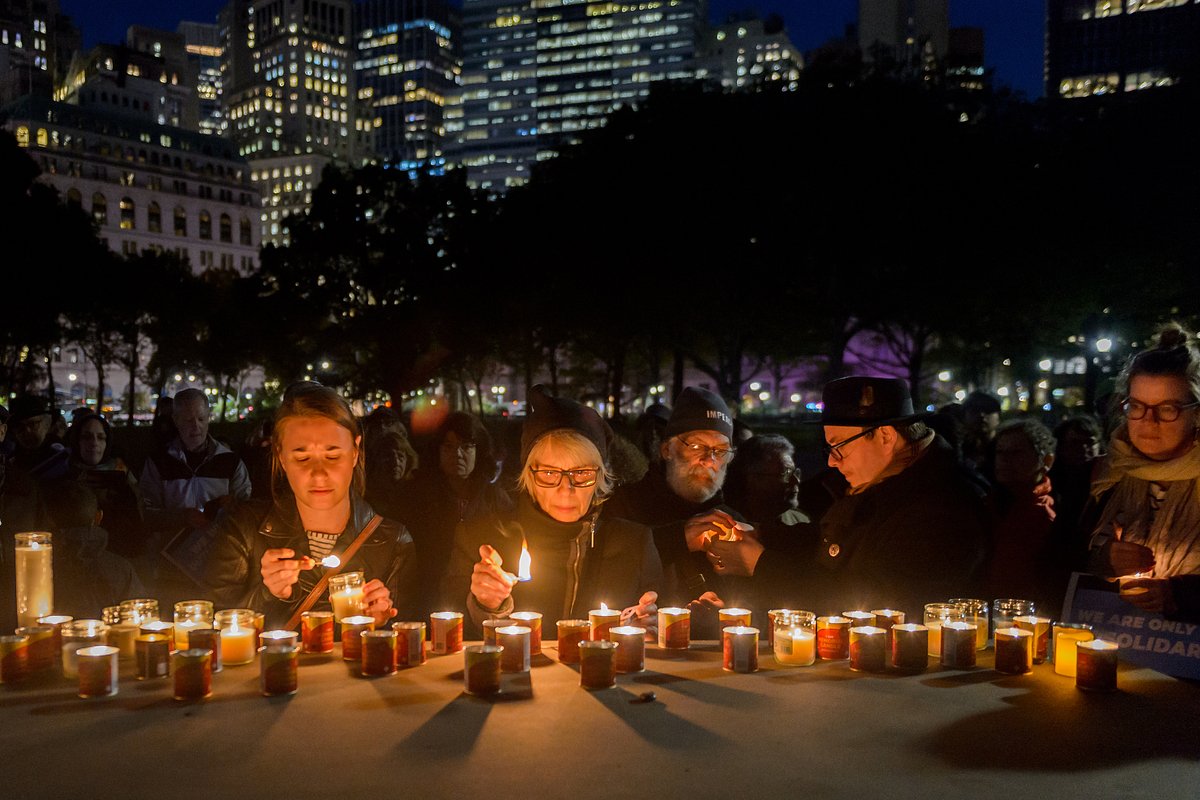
(907, 528)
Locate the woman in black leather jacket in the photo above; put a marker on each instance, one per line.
(267, 553)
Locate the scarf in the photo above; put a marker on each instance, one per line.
(1172, 530)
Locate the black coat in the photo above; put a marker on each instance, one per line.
(247, 529)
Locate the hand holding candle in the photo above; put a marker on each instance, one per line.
(490, 584)
(1126, 558)
(644, 615)
(377, 601)
(1149, 594)
(280, 569)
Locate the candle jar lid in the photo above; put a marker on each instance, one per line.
(198, 610)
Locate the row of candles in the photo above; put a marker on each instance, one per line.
(201, 641)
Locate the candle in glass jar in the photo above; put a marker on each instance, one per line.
(191, 614)
(885, 618)
(278, 637)
(42, 655)
(1014, 651)
(739, 648)
(795, 640)
(601, 619)
(674, 628)
(631, 655)
(533, 621)
(447, 632)
(773, 615)
(279, 669)
(570, 633)
(597, 664)
(833, 638)
(481, 669)
(193, 674)
(237, 644)
(1065, 636)
(868, 648)
(97, 667)
(158, 627)
(76, 634)
(976, 612)
(153, 656)
(183, 629)
(410, 643)
(935, 615)
(122, 636)
(515, 641)
(910, 647)
(959, 644)
(34, 577)
(352, 628)
(378, 652)
(1040, 627)
(316, 629)
(1096, 665)
(346, 595)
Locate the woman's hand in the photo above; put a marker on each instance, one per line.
(490, 585)
(1149, 594)
(1127, 558)
(280, 568)
(377, 601)
(702, 529)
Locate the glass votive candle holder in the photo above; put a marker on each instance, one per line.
(910, 647)
(833, 638)
(42, 654)
(533, 621)
(601, 619)
(410, 643)
(239, 634)
(278, 637)
(75, 635)
(346, 594)
(139, 610)
(976, 612)
(515, 641)
(193, 674)
(481, 669)
(795, 639)
(868, 648)
(446, 632)
(674, 628)
(191, 614)
(631, 655)
(935, 615)
(207, 639)
(1005, 610)
(489, 627)
(110, 615)
(122, 635)
(772, 615)
(739, 648)
(1040, 628)
(378, 652)
(316, 631)
(153, 656)
(597, 664)
(1096, 665)
(727, 617)
(1014, 650)
(14, 658)
(959, 639)
(97, 667)
(279, 669)
(1064, 636)
(570, 633)
(352, 628)
(885, 618)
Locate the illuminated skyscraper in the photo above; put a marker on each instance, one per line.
(537, 73)
(747, 54)
(289, 97)
(407, 67)
(205, 47)
(36, 45)
(915, 33)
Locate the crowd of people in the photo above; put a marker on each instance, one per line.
(689, 508)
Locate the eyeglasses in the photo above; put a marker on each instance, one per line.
(699, 452)
(551, 478)
(1163, 412)
(463, 447)
(786, 476)
(835, 450)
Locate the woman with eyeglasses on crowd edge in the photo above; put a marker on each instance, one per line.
(579, 557)
(1144, 509)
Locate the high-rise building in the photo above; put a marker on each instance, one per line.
(407, 67)
(748, 54)
(1114, 49)
(36, 44)
(964, 66)
(537, 73)
(204, 47)
(290, 99)
(913, 33)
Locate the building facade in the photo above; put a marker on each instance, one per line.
(914, 33)
(36, 44)
(205, 47)
(746, 54)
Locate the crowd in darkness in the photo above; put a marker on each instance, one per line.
(686, 507)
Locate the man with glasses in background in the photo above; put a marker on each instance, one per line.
(681, 500)
(909, 527)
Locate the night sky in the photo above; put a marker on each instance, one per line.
(1013, 29)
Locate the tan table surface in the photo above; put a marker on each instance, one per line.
(821, 731)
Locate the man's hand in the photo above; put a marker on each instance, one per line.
(735, 558)
(702, 529)
(490, 584)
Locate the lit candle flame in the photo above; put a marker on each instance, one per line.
(331, 562)
(523, 564)
(604, 607)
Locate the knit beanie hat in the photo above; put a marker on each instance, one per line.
(548, 413)
(699, 409)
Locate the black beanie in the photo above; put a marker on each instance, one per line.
(699, 409)
(547, 413)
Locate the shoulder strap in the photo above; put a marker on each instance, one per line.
(319, 589)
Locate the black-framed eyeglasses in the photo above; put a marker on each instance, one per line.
(698, 452)
(1163, 412)
(578, 478)
(835, 450)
